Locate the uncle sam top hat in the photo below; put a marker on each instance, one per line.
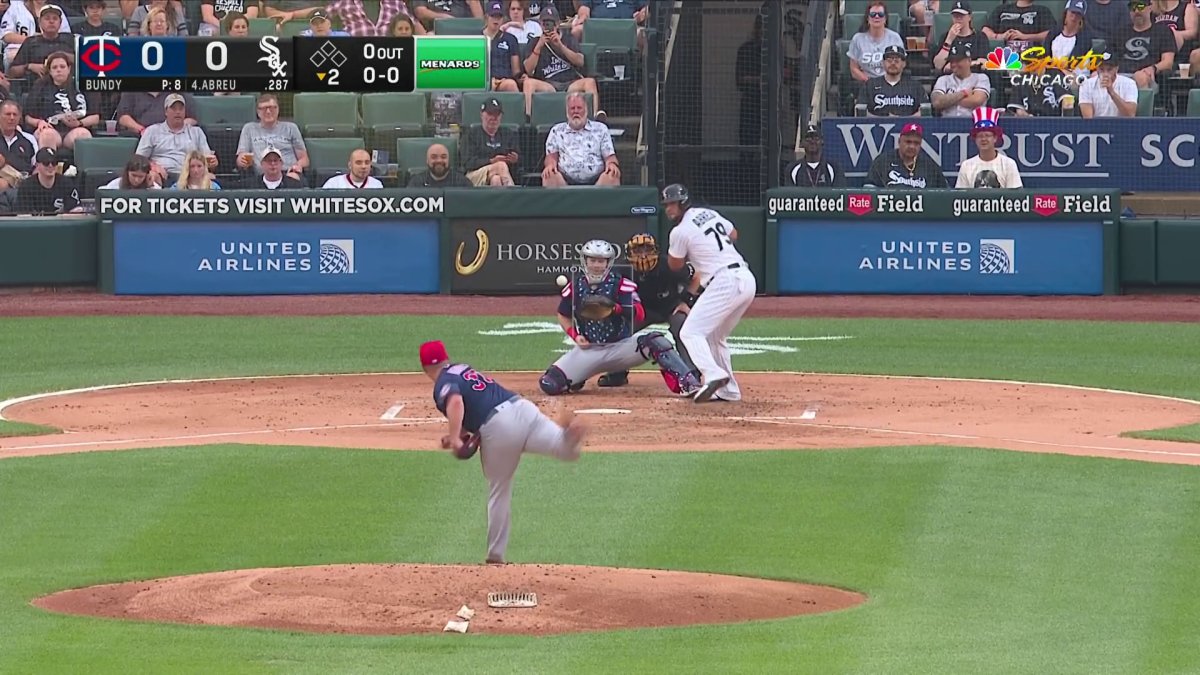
(986, 119)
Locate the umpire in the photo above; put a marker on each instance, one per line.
(666, 296)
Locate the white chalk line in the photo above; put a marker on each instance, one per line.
(400, 421)
(390, 413)
(788, 421)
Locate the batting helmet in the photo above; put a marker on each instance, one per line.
(676, 192)
(642, 251)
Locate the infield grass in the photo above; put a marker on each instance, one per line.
(975, 561)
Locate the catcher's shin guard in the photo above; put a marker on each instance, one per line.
(656, 347)
(554, 381)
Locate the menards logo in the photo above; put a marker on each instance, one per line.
(738, 344)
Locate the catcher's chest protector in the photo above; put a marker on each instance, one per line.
(608, 330)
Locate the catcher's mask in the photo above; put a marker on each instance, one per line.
(642, 251)
(597, 250)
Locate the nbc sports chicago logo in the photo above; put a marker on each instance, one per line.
(336, 256)
(997, 256)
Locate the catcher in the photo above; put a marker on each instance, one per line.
(666, 296)
(598, 310)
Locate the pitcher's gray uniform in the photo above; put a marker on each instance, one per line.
(608, 344)
(508, 426)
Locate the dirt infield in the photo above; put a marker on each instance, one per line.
(408, 599)
(1174, 308)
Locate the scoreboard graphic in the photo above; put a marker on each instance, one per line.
(274, 64)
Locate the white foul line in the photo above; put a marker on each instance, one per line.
(401, 421)
(966, 437)
(390, 413)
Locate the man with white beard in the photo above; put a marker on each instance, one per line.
(580, 151)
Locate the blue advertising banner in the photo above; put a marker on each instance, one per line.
(271, 257)
(1141, 153)
(949, 257)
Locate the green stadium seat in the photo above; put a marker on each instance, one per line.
(330, 156)
(327, 114)
(388, 116)
(1193, 105)
(410, 153)
(550, 109)
(212, 110)
(1099, 46)
(99, 160)
(458, 26)
(589, 58)
(512, 102)
(1145, 103)
(292, 28)
(261, 26)
(611, 34)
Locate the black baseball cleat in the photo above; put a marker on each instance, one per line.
(710, 389)
(576, 386)
(619, 379)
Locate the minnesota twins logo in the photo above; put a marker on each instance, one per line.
(272, 57)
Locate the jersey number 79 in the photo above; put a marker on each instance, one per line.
(718, 232)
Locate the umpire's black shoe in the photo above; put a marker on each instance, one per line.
(614, 379)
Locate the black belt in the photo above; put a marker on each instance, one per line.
(733, 266)
(500, 407)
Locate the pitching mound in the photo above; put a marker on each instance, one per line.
(404, 599)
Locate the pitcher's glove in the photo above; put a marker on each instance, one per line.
(470, 445)
(597, 307)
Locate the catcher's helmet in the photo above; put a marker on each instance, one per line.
(597, 248)
(676, 192)
(642, 251)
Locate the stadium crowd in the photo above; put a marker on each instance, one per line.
(541, 123)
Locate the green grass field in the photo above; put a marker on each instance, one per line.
(975, 561)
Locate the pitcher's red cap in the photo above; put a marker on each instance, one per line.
(433, 353)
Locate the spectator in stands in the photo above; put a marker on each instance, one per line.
(895, 94)
(271, 132)
(922, 11)
(195, 174)
(402, 26)
(962, 91)
(94, 23)
(19, 25)
(505, 61)
(272, 177)
(213, 12)
(1020, 24)
(607, 9)
(580, 151)
(292, 10)
(429, 11)
(747, 74)
(137, 111)
(235, 24)
(168, 143)
(812, 170)
(990, 168)
(907, 166)
(319, 25)
(135, 176)
(158, 18)
(868, 44)
(520, 25)
(437, 173)
(1072, 38)
(356, 20)
(359, 177)
(490, 150)
(1108, 93)
(47, 192)
(555, 64)
(1106, 18)
(56, 110)
(18, 149)
(1043, 98)
(961, 32)
(30, 60)
(1183, 18)
(1147, 48)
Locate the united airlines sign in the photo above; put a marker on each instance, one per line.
(1143, 153)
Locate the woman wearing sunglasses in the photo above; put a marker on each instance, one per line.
(867, 45)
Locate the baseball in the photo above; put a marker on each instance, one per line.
(561, 280)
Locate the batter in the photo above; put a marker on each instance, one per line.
(508, 426)
(706, 239)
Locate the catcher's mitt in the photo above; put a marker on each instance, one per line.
(597, 308)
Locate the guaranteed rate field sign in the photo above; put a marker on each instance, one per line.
(452, 62)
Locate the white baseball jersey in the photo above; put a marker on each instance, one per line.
(18, 19)
(342, 182)
(702, 237)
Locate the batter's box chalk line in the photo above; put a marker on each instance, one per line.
(508, 600)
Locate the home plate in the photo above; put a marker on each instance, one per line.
(603, 411)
